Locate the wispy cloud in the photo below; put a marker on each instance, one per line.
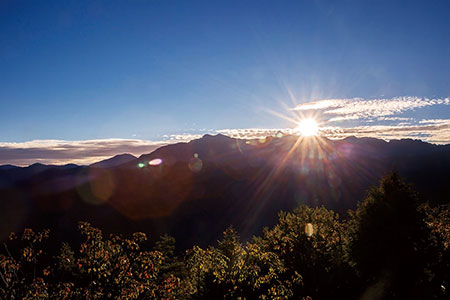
(361, 109)
(78, 152)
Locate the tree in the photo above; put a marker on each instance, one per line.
(311, 242)
(389, 241)
(235, 271)
(438, 221)
(23, 273)
(115, 268)
(173, 273)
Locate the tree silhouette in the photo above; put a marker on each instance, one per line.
(389, 241)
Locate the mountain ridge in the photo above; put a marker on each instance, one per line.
(195, 190)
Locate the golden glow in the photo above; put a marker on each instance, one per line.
(308, 127)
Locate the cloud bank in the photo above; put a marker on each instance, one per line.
(78, 152)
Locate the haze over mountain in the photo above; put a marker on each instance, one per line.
(197, 189)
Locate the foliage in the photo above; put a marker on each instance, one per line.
(438, 221)
(114, 268)
(392, 246)
(22, 274)
(390, 242)
(236, 271)
(319, 256)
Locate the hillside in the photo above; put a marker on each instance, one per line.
(195, 190)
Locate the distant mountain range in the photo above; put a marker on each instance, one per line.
(195, 190)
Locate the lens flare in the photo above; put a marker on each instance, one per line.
(195, 164)
(308, 127)
(155, 162)
(309, 229)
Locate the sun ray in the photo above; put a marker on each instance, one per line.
(282, 116)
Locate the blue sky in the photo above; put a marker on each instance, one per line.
(148, 70)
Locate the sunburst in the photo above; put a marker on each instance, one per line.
(307, 127)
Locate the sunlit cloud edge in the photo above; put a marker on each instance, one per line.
(337, 110)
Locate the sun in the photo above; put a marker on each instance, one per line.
(308, 127)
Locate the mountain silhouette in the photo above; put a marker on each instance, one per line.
(11, 175)
(195, 190)
(114, 161)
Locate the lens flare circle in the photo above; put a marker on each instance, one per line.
(307, 127)
(155, 162)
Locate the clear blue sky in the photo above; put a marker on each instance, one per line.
(78, 70)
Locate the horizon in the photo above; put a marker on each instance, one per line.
(90, 160)
(83, 81)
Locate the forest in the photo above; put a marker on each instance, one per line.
(392, 246)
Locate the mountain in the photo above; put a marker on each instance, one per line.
(7, 167)
(195, 190)
(12, 175)
(114, 161)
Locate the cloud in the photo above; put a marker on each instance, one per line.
(434, 131)
(337, 110)
(381, 118)
(252, 133)
(183, 137)
(79, 152)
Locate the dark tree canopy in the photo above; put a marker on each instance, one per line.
(389, 241)
(391, 247)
